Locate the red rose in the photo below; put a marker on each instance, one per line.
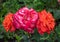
(7, 23)
(46, 22)
(25, 19)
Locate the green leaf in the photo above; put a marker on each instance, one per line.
(56, 14)
(19, 38)
(58, 29)
(1, 36)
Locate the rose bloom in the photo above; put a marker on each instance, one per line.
(7, 22)
(45, 23)
(25, 19)
(58, 1)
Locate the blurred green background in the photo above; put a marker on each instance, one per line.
(20, 36)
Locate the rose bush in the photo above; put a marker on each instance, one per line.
(48, 22)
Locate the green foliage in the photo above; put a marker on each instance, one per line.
(13, 5)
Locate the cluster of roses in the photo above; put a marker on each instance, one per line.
(28, 19)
